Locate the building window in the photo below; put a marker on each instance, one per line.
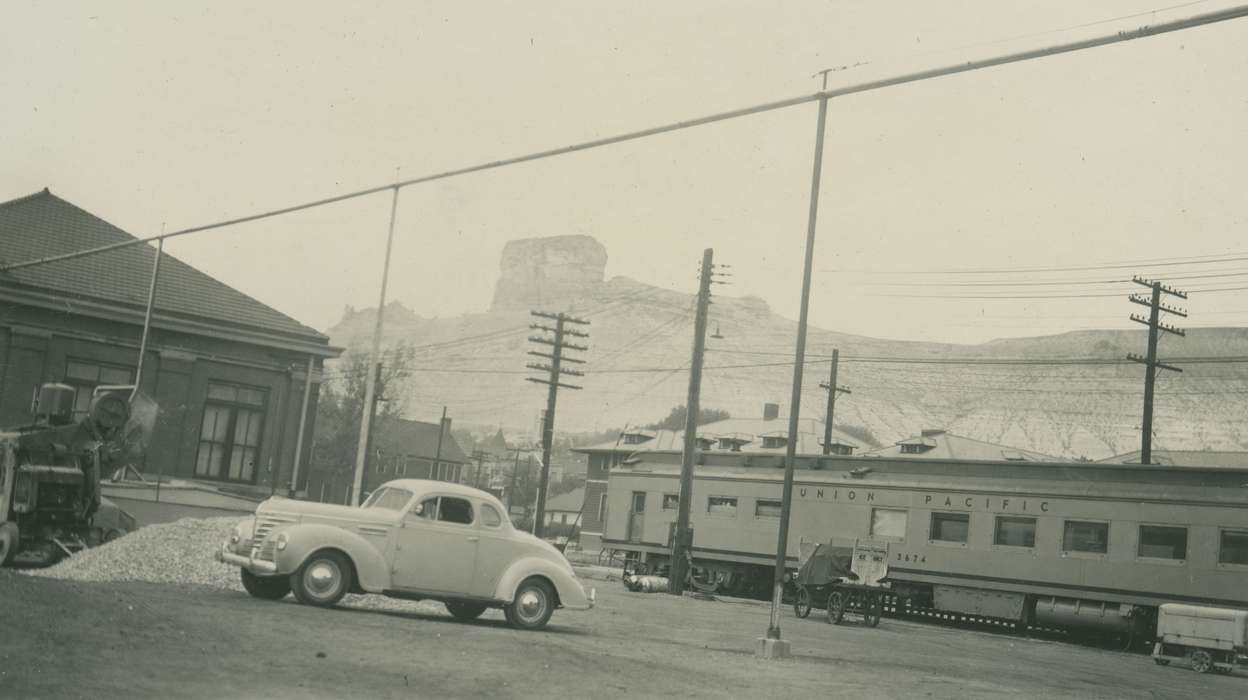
(1233, 547)
(766, 509)
(1082, 536)
(721, 505)
(889, 523)
(911, 449)
(671, 501)
(1159, 542)
(229, 438)
(1013, 531)
(602, 508)
(839, 449)
(774, 441)
(84, 376)
(950, 527)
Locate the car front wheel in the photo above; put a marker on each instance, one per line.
(533, 605)
(266, 587)
(323, 579)
(465, 612)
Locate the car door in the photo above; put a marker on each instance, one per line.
(436, 548)
(497, 549)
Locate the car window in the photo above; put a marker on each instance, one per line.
(490, 517)
(388, 498)
(455, 510)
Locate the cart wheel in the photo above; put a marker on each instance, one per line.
(1201, 661)
(836, 607)
(871, 611)
(801, 606)
(1161, 662)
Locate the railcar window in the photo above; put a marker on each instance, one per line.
(766, 509)
(889, 523)
(1161, 542)
(721, 505)
(671, 501)
(950, 527)
(1233, 548)
(1082, 536)
(1015, 532)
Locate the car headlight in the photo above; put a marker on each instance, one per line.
(280, 542)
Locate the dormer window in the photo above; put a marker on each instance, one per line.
(635, 438)
(774, 441)
(911, 449)
(705, 443)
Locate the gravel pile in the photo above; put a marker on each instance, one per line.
(184, 552)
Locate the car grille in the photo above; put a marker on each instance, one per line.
(261, 546)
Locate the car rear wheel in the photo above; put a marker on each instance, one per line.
(464, 612)
(9, 537)
(266, 587)
(323, 579)
(533, 605)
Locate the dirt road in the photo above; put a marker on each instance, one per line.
(61, 639)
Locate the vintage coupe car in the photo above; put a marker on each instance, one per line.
(414, 539)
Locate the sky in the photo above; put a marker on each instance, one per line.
(162, 116)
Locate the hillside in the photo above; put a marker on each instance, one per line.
(474, 364)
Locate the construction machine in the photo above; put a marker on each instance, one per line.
(50, 503)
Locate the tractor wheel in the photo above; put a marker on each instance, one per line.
(801, 606)
(836, 607)
(9, 538)
(1202, 662)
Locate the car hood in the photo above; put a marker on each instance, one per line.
(312, 509)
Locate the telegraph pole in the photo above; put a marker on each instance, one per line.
(682, 540)
(555, 370)
(512, 489)
(1151, 364)
(437, 458)
(368, 441)
(478, 455)
(833, 390)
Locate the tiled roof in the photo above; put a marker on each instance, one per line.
(750, 430)
(1186, 458)
(943, 445)
(42, 224)
(400, 436)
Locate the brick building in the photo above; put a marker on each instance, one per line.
(227, 371)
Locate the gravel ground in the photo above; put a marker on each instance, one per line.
(183, 552)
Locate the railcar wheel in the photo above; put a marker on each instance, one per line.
(9, 538)
(801, 606)
(465, 612)
(265, 587)
(323, 579)
(1201, 661)
(836, 607)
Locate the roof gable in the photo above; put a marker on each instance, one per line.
(403, 437)
(42, 224)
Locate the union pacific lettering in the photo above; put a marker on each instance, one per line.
(995, 504)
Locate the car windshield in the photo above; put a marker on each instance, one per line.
(388, 498)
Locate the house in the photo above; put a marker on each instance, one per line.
(941, 444)
(1204, 459)
(228, 372)
(565, 509)
(401, 449)
(761, 436)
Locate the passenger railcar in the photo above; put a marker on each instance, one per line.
(1059, 545)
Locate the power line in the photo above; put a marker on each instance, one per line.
(821, 96)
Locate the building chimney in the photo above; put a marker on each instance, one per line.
(771, 411)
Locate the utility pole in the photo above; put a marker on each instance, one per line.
(682, 540)
(555, 370)
(512, 489)
(480, 456)
(372, 426)
(437, 458)
(833, 390)
(1151, 364)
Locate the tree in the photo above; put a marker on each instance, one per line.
(341, 407)
(676, 419)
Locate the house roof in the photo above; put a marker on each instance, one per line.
(1186, 458)
(940, 444)
(400, 436)
(42, 224)
(570, 502)
(748, 430)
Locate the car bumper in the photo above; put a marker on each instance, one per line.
(256, 566)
